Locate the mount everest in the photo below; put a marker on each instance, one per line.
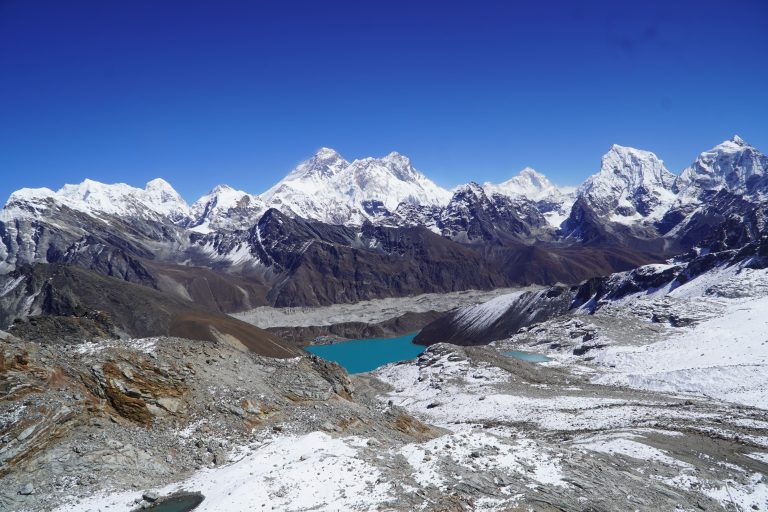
(336, 231)
(631, 185)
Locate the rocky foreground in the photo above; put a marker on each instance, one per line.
(113, 425)
(655, 397)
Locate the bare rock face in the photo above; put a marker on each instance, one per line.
(81, 326)
(137, 391)
(330, 264)
(140, 411)
(127, 389)
(64, 302)
(472, 215)
(503, 316)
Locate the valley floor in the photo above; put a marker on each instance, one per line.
(370, 311)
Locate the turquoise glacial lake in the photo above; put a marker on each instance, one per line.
(364, 355)
(358, 356)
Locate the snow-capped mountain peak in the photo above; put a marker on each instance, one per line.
(472, 189)
(328, 188)
(324, 164)
(157, 198)
(30, 197)
(738, 141)
(325, 153)
(528, 183)
(160, 191)
(535, 177)
(631, 185)
(160, 184)
(733, 165)
(635, 168)
(400, 165)
(220, 195)
(554, 202)
(226, 208)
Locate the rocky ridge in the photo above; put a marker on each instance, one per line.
(151, 237)
(503, 316)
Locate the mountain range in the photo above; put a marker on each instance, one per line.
(334, 231)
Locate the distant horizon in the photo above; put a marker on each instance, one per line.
(240, 92)
(426, 173)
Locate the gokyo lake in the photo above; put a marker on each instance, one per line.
(364, 355)
(358, 356)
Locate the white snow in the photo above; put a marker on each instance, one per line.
(529, 184)
(156, 199)
(556, 218)
(449, 394)
(729, 165)
(237, 255)
(627, 177)
(226, 208)
(328, 188)
(628, 444)
(725, 357)
(752, 495)
(489, 452)
(482, 316)
(532, 185)
(761, 456)
(146, 345)
(309, 472)
(10, 286)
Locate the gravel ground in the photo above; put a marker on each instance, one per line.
(99, 425)
(371, 311)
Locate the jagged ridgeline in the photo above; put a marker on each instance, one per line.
(334, 231)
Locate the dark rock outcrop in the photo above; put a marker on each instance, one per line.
(61, 294)
(503, 316)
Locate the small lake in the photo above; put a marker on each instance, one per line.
(364, 355)
(531, 357)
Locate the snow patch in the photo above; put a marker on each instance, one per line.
(309, 472)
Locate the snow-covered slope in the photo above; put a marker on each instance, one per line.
(528, 183)
(693, 328)
(391, 180)
(732, 165)
(552, 201)
(226, 208)
(722, 198)
(157, 200)
(725, 356)
(632, 185)
(328, 188)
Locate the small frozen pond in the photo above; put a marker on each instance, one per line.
(527, 356)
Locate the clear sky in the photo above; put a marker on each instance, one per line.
(201, 93)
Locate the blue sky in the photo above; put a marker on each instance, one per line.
(202, 93)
